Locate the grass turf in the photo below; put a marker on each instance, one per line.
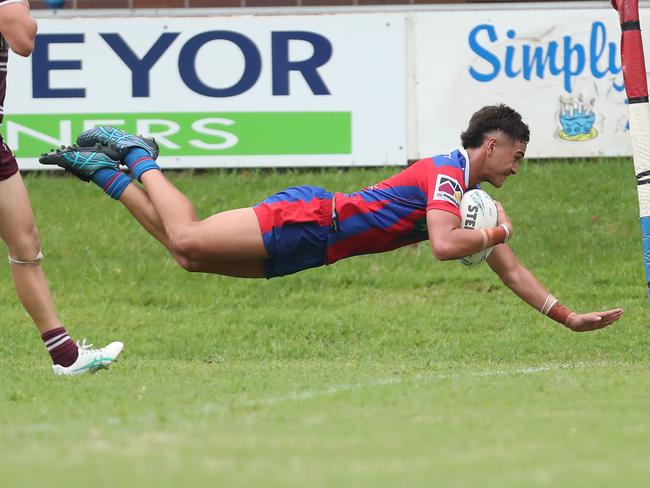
(380, 370)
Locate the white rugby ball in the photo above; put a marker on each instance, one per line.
(477, 211)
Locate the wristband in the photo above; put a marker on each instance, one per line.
(560, 313)
(486, 239)
(495, 235)
(505, 227)
(548, 303)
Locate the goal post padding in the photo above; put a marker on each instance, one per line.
(636, 89)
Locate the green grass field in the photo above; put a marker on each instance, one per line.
(385, 370)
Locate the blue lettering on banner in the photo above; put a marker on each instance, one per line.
(280, 62)
(42, 65)
(566, 59)
(252, 63)
(140, 68)
(308, 67)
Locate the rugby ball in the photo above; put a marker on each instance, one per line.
(477, 211)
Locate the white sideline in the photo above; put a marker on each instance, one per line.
(335, 389)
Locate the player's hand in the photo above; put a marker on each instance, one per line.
(584, 322)
(502, 218)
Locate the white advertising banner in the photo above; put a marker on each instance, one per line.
(560, 68)
(232, 91)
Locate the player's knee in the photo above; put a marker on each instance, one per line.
(183, 244)
(188, 265)
(25, 244)
(183, 263)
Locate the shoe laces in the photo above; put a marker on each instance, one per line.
(85, 348)
(120, 137)
(117, 137)
(77, 157)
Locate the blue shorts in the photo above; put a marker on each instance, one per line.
(296, 224)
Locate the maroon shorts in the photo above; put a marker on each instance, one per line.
(8, 165)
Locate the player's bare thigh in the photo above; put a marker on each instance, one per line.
(229, 236)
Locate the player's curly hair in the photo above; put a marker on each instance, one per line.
(492, 118)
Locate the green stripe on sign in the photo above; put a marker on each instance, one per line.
(195, 133)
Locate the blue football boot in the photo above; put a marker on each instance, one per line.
(84, 162)
(122, 141)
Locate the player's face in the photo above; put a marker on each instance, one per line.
(503, 158)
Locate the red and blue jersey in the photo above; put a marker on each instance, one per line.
(392, 213)
(305, 227)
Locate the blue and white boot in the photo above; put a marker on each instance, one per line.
(90, 360)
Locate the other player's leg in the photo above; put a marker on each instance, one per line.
(18, 231)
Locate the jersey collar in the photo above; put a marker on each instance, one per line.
(464, 164)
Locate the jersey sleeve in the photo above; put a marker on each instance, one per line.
(444, 188)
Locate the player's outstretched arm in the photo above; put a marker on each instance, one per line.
(521, 281)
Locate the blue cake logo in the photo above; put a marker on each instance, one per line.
(577, 119)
